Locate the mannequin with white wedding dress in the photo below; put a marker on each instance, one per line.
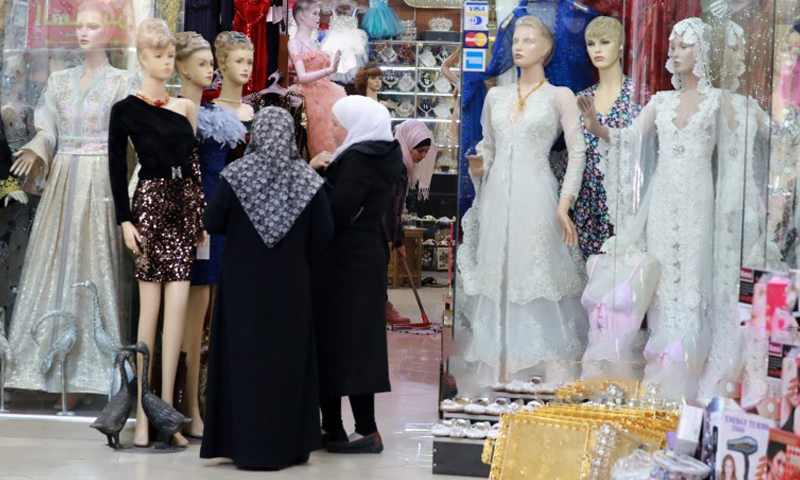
(676, 218)
(520, 269)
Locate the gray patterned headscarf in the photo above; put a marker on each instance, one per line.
(272, 182)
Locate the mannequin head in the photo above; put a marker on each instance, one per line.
(193, 59)
(682, 55)
(92, 28)
(733, 57)
(306, 14)
(369, 78)
(532, 44)
(155, 49)
(689, 54)
(234, 57)
(604, 42)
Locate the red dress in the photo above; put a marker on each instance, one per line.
(251, 19)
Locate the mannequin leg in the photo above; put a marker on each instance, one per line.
(192, 343)
(176, 298)
(149, 303)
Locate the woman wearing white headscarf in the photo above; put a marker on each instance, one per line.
(350, 280)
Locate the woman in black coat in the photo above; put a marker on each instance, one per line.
(262, 394)
(350, 278)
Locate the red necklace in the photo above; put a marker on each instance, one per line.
(156, 103)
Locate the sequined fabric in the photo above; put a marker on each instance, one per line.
(168, 214)
(590, 212)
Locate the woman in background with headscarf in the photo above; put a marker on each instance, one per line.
(350, 279)
(419, 157)
(262, 394)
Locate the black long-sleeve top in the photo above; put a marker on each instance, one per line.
(163, 141)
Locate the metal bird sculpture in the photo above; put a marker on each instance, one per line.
(5, 358)
(162, 415)
(108, 344)
(112, 419)
(64, 342)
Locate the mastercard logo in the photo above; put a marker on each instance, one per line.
(476, 39)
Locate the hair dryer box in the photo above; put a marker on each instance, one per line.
(738, 441)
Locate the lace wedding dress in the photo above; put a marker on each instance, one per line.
(676, 219)
(522, 285)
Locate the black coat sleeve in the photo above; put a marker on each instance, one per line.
(321, 223)
(352, 184)
(118, 163)
(218, 208)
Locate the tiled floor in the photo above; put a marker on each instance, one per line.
(404, 419)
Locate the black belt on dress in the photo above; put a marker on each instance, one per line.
(165, 173)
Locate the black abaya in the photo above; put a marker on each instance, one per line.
(262, 394)
(350, 278)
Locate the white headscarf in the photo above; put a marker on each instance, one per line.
(696, 33)
(365, 121)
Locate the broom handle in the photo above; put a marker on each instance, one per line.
(414, 288)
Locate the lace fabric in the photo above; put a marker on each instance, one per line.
(522, 283)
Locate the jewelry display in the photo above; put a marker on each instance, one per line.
(442, 110)
(405, 110)
(407, 54)
(390, 79)
(443, 54)
(446, 163)
(410, 32)
(406, 83)
(387, 54)
(426, 58)
(425, 81)
(443, 85)
(425, 107)
(440, 24)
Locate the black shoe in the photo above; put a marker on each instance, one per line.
(372, 443)
(328, 438)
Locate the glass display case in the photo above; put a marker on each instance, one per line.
(644, 246)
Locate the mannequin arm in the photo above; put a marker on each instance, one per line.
(447, 65)
(576, 145)
(303, 76)
(217, 211)
(118, 164)
(485, 148)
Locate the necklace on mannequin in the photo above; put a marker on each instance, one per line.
(524, 99)
(156, 103)
(220, 99)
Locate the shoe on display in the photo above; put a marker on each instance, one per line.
(478, 407)
(356, 443)
(451, 406)
(460, 428)
(515, 386)
(478, 430)
(442, 428)
(494, 432)
(393, 317)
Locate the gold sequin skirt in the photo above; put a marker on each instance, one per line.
(168, 214)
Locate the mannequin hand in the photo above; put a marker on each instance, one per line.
(132, 238)
(18, 196)
(587, 107)
(25, 159)
(401, 250)
(202, 238)
(335, 62)
(475, 165)
(570, 234)
(720, 9)
(322, 160)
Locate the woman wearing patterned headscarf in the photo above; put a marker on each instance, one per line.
(262, 397)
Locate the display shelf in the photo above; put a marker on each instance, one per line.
(425, 119)
(474, 418)
(411, 42)
(407, 68)
(462, 441)
(445, 173)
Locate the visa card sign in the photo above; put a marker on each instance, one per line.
(476, 16)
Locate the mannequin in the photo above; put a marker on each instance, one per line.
(235, 60)
(369, 80)
(675, 220)
(520, 272)
(314, 68)
(195, 64)
(163, 226)
(596, 212)
(74, 236)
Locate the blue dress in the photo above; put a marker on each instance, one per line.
(380, 21)
(219, 131)
(569, 67)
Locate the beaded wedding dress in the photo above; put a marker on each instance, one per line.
(676, 219)
(521, 284)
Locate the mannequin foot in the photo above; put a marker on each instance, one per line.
(179, 440)
(195, 429)
(141, 438)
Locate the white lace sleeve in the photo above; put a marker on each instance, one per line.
(45, 119)
(626, 159)
(576, 143)
(485, 147)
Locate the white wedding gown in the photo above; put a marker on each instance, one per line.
(677, 223)
(522, 285)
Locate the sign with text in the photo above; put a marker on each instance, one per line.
(476, 16)
(474, 59)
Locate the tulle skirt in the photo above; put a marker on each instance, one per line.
(352, 42)
(320, 97)
(380, 21)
